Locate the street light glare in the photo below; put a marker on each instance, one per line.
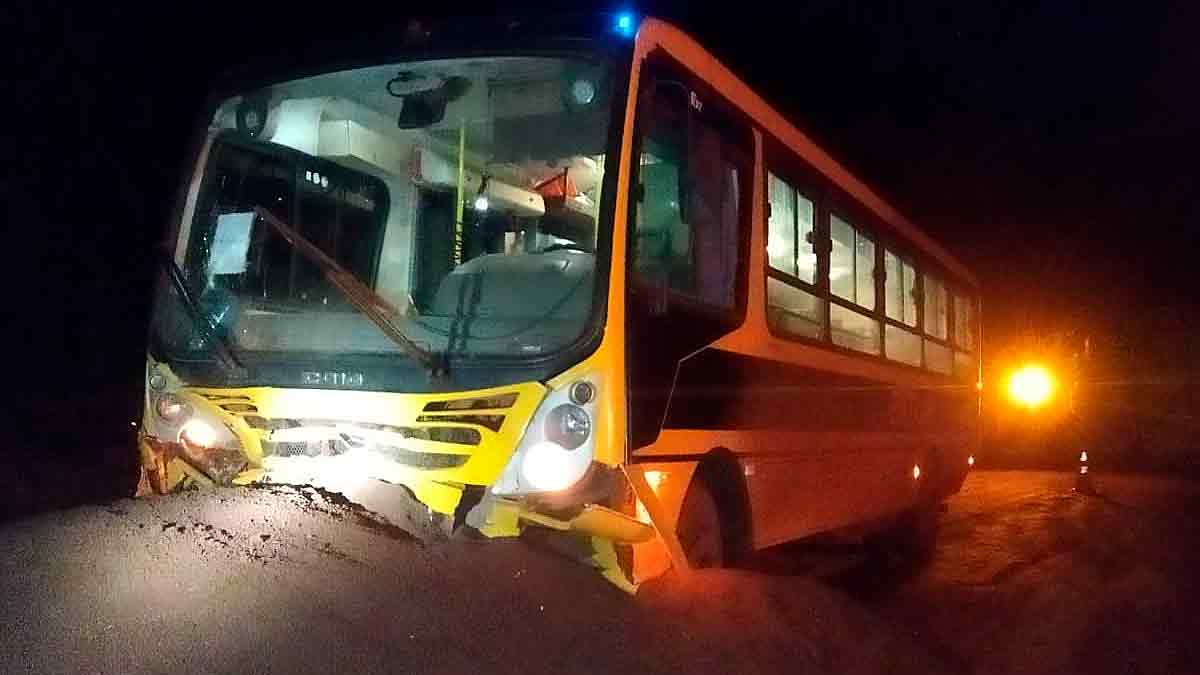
(1031, 386)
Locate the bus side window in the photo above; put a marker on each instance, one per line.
(686, 225)
(793, 307)
(936, 305)
(964, 327)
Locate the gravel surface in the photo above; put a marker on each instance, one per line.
(1029, 577)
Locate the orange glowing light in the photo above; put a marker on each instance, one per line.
(1031, 386)
(916, 472)
(971, 460)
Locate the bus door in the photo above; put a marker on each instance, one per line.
(688, 238)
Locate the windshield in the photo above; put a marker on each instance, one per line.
(459, 197)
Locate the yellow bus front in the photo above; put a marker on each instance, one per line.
(401, 274)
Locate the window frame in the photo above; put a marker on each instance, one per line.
(860, 230)
(905, 259)
(785, 165)
(817, 245)
(960, 292)
(863, 225)
(942, 277)
(897, 248)
(801, 184)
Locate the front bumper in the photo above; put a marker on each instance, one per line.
(443, 449)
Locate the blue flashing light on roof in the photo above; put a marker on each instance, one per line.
(624, 24)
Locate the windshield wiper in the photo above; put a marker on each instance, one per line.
(200, 318)
(367, 301)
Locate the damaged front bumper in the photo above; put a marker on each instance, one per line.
(172, 467)
(428, 470)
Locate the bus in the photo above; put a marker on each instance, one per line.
(566, 278)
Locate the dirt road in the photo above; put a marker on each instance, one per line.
(1033, 578)
(1030, 578)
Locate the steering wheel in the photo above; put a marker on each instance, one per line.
(565, 247)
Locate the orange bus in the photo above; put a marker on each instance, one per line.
(569, 278)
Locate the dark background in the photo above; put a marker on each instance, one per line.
(1051, 146)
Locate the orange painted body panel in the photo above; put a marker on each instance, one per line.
(805, 481)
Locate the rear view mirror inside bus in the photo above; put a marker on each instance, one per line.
(424, 97)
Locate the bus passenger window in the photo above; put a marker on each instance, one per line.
(964, 329)
(793, 310)
(902, 345)
(935, 308)
(790, 245)
(791, 255)
(851, 264)
(938, 358)
(900, 289)
(852, 330)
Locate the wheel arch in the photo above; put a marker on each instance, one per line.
(723, 476)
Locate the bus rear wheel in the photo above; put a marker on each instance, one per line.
(699, 528)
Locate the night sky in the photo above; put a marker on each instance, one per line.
(1051, 146)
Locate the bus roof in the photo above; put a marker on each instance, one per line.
(658, 33)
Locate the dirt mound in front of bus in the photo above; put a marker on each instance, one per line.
(296, 580)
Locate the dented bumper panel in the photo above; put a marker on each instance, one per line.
(436, 446)
(425, 461)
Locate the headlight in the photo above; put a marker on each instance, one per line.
(171, 408)
(558, 446)
(568, 425)
(547, 466)
(198, 433)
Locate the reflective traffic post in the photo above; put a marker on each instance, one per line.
(1083, 480)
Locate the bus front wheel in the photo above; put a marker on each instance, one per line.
(699, 527)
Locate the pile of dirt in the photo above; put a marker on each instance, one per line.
(290, 579)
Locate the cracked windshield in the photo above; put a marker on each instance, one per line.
(446, 210)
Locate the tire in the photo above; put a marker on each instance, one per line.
(699, 529)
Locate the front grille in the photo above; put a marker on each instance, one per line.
(423, 460)
(418, 460)
(456, 435)
(226, 397)
(239, 407)
(484, 403)
(304, 448)
(492, 422)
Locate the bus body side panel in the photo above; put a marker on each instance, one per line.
(825, 438)
(818, 450)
